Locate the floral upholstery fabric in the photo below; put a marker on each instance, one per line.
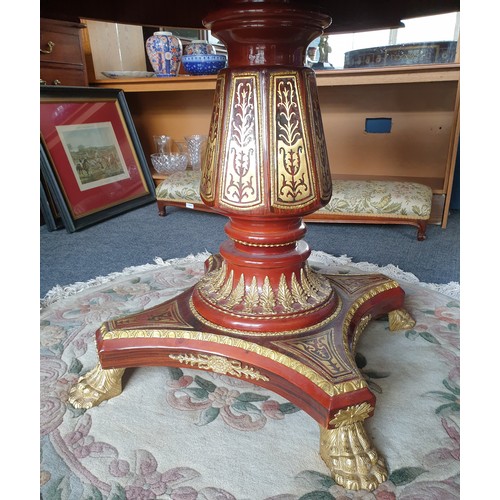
(180, 186)
(378, 198)
(406, 200)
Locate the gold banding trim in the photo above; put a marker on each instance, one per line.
(263, 245)
(208, 174)
(328, 387)
(384, 287)
(219, 364)
(359, 329)
(389, 285)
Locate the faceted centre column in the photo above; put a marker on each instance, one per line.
(266, 168)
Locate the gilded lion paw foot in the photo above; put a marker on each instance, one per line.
(348, 452)
(400, 319)
(368, 476)
(96, 386)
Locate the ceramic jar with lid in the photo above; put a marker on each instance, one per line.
(199, 47)
(164, 51)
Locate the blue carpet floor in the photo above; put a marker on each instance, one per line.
(138, 236)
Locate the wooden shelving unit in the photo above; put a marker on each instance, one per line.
(421, 101)
(372, 76)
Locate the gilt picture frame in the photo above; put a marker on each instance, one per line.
(91, 157)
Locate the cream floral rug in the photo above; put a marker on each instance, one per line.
(185, 434)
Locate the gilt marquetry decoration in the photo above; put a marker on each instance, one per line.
(292, 177)
(322, 353)
(356, 283)
(370, 294)
(221, 365)
(170, 316)
(320, 150)
(208, 177)
(240, 172)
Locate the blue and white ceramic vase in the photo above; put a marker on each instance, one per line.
(165, 53)
(199, 47)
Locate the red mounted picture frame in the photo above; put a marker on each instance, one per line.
(90, 155)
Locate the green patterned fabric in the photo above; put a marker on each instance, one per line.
(406, 200)
(378, 198)
(180, 186)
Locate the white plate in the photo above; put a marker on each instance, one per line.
(127, 74)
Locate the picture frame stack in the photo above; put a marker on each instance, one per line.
(92, 166)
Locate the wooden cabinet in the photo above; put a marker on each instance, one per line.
(422, 103)
(62, 60)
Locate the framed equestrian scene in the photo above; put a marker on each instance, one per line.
(90, 154)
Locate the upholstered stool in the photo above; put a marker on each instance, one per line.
(180, 189)
(379, 202)
(352, 201)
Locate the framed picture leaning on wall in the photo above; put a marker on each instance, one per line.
(90, 155)
(49, 214)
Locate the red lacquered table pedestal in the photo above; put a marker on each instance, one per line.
(261, 312)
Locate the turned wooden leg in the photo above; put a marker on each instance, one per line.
(161, 209)
(96, 386)
(400, 319)
(422, 228)
(348, 452)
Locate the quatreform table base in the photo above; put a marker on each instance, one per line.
(261, 312)
(314, 368)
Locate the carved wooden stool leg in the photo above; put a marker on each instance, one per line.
(422, 228)
(348, 452)
(96, 386)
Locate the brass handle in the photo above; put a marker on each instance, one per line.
(50, 46)
(55, 82)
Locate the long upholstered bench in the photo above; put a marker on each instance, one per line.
(352, 201)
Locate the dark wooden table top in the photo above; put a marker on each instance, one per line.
(347, 15)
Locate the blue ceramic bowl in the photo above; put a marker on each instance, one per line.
(204, 64)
